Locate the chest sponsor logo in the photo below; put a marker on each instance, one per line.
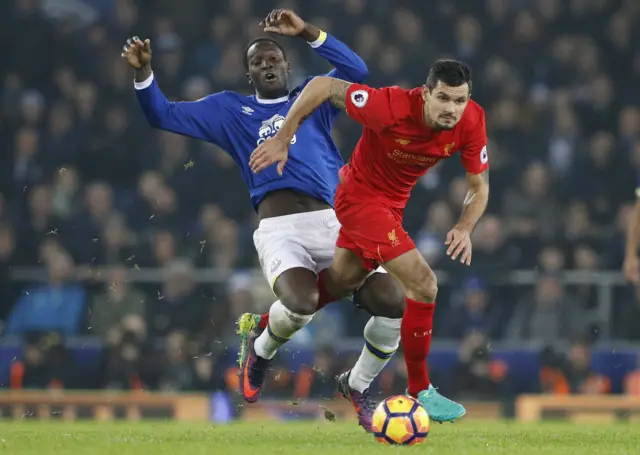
(413, 159)
(270, 127)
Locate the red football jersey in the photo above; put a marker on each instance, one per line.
(396, 147)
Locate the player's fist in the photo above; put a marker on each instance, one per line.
(459, 244)
(275, 150)
(631, 269)
(283, 22)
(137, 53)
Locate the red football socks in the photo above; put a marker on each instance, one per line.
(324, 297)
(415, 336)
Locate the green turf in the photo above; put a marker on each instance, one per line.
(124, 438)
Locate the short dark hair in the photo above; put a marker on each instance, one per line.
(450, 72)
(260, 41)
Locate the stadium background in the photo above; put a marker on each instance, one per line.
(126, 253)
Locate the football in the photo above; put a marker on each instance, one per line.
(400, 420)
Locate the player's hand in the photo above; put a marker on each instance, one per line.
(459, 244)
(283, 22)
(274, 150)
(631, 269)
(137, 53)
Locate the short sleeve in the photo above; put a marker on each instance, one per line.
(375, 109)
(475, 157)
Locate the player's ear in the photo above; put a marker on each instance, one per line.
(288, 67)
(425, 93)
(249, 79)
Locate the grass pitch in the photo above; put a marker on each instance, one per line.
(339, 438)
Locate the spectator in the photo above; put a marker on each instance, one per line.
(177, 374)
(628, 328)
(45, 364)
(118, 302)
(316, 381)
(176, 306)
(39, 224)
(548, 315)
(7, 288)
(474, 314)
(477, 374)
(573, 374)
(56, 306)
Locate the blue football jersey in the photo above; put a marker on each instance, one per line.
(239, 123)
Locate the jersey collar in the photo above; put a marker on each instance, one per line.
(282, 99)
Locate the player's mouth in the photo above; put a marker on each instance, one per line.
(270, 77)
(448, 117)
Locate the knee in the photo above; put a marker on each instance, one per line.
(381, 295)
(303, 303)
(423, 287)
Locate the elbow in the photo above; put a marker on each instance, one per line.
(153, 120)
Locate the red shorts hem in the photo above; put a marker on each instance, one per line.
(371, 263)
(371, 229)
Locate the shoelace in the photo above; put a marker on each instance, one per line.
(368, 401)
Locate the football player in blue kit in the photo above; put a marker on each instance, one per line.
(296, 236)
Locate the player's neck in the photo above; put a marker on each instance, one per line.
(272, 98)
(427, 120)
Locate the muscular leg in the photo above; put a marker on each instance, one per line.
(343, 278)
(420, 285)
(297, 291)
(421, 289)
(382, 296)
(345, 275)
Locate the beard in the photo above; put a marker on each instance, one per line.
(445, 126)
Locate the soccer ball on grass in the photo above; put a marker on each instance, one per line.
(400, 420)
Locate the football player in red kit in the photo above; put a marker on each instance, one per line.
(406, 132)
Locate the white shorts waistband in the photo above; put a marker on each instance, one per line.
(296, 220)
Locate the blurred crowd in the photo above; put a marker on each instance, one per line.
(86, 183)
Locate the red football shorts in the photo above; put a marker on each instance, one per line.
(371, 229)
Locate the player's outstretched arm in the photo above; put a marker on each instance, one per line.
(474, 205)
(199, 119)
(347, 64)
(631, 266)
(319, 90)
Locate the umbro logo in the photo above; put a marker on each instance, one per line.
(275, 264)
(403, 141)
(247, 110)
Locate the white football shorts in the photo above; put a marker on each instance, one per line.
(306, 240)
